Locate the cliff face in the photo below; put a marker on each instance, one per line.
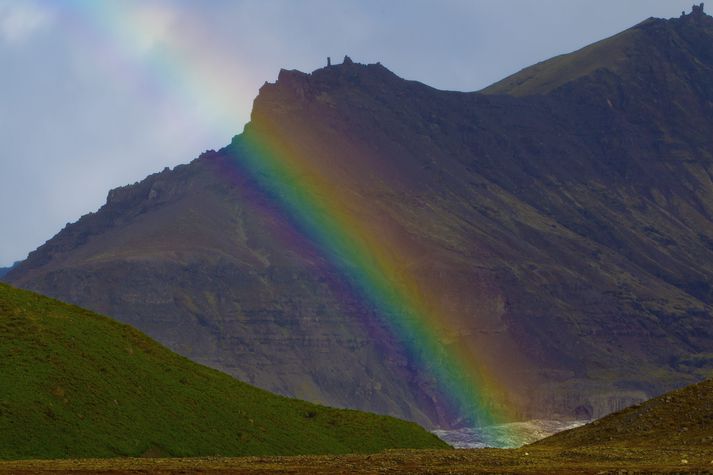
(560, 222)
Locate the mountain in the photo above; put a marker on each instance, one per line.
(76, 384)
(543, 248)
(683, 418)
(5, 270)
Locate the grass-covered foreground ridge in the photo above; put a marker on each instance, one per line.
(76, 384)
(681, 418)
(669, 434)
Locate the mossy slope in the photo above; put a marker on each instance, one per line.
(76, 384)
(682, 418)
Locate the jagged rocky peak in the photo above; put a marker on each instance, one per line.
(697, 18)
(697, 12)
(297, 85)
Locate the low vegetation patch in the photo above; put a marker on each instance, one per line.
(76, 384)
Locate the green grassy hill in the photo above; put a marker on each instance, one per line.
(76, 384)
(682, 418)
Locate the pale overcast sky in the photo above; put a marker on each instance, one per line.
(98, 94)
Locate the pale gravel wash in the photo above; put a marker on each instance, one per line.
(510, 435)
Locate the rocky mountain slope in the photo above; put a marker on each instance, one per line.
(559, 226)
(5, 270)
(682, 418)
(75, 384)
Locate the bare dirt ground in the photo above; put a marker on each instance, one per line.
(525, 460)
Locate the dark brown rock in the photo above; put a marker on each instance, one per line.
(561, 221)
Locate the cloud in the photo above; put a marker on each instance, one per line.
(20, 20)
(150, 25)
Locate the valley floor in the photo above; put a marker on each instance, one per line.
(526, 460)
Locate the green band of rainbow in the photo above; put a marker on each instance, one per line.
(321, 213)
(318, 208)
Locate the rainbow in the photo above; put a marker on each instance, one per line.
(315, 206)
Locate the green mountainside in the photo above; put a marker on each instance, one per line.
(669, 434)
(672, 433)
(681, 418)
(76, 384)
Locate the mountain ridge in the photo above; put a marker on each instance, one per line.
(613, 53)
(560, 236)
